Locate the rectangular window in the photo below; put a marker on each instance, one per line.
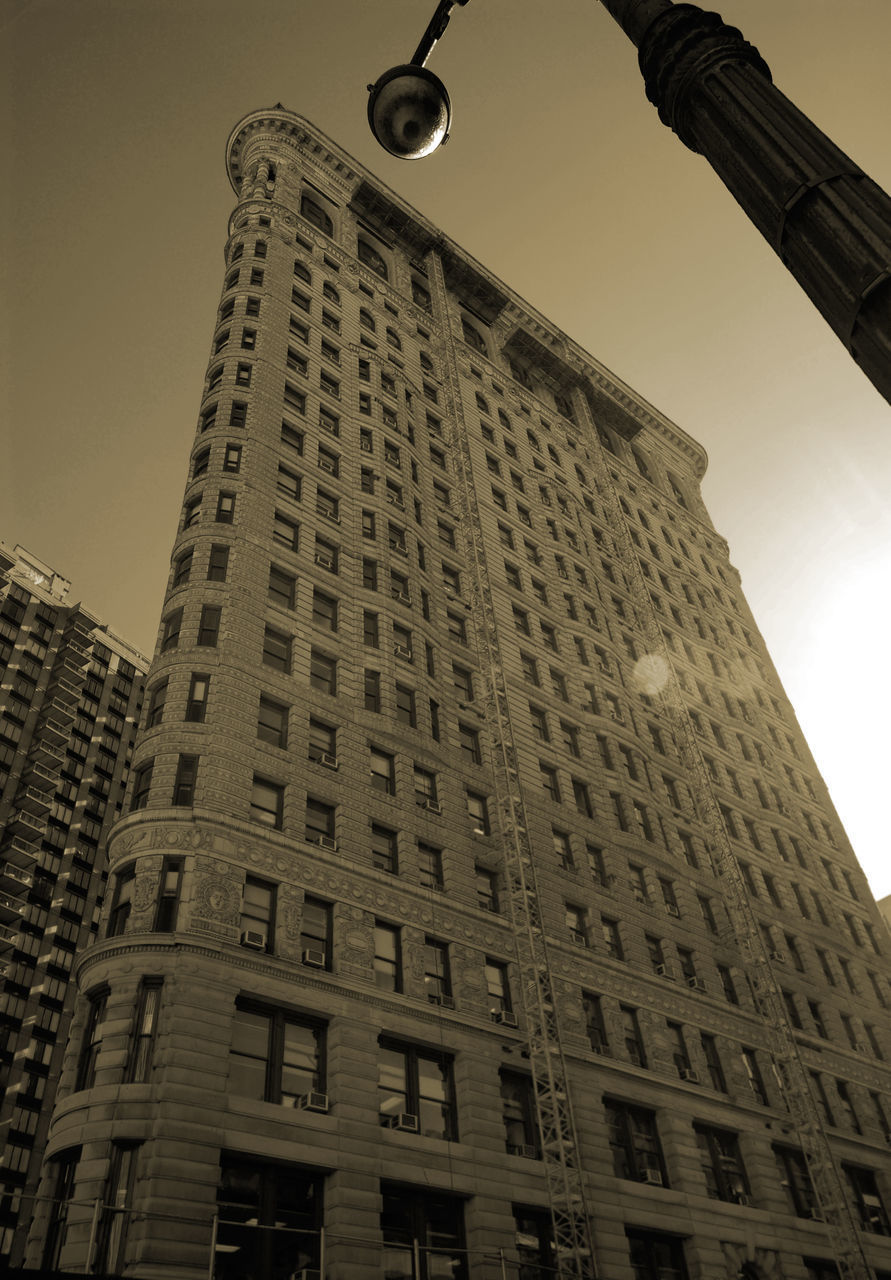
(252, 1194)
(323, 672)
(478, 810)
(322, 743)
(184, 783)
(285, 532)
(387, 957)
(225, 513)
(384, 849)
(282, 587)
(315, 932)
(121, 902)
(157, 699)
(383, 771)
(634, 1139)
(498, 989)
(276, 1056)
(721, 1164)
(168, 895)
(218, 562)
(171, 629)
(405, 705)
(272, 723)
(277, 650)
(437, 978)
(267, 802)
(372, 690)
(209, 626)
(145, 1023)
(258, 913)
(320, 822)
(92, 1040)
(518, 1113)
(290, 484)
(429, 866)
(415, 1092)
(324, 610)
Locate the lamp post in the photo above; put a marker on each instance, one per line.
(826, 219)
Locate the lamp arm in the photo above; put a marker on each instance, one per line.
(435, 28)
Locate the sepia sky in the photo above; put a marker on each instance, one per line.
(559, 177)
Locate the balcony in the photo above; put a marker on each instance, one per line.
(33, 800)
(53, 730)
(20, 852)
(40, 777)
(11, 907)
(14, 879)
(24, 824)
(63, 690)
(49, 755)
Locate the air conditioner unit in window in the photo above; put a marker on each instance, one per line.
(403, 597)
(739, 1197)
(324, 560)
(578, 938)
(325, 842)
(688, 1074)
(672, 908)
(695, 984)
(401, 651)
(505, 1017)
(315, 959)
(653, 1176)
(522, 1149)
(328, 760)
(254, 939)
(432, 805)
(861, 1047)
(444, 1002)
(313, 1102)
(778, 957)
(404, 1121)
(665, 971)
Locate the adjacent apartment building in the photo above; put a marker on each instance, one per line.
(70, 696)
(478, 910)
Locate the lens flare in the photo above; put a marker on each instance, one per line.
(650, 674)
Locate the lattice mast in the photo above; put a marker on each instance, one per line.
(573, 1235)
(790, 1072)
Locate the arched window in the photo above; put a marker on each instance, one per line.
(427, 363)
(473, 337)
(372, 259)
(271, 175)
(482, 403)
(366, 319)
(302, 272)
(504, 420)
(329, 292)
(533, 440)
(314, 213)
(393, 339)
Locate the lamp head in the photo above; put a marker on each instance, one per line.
(409, 111)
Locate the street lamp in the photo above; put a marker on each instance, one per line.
(408, 107)
(826, 219)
